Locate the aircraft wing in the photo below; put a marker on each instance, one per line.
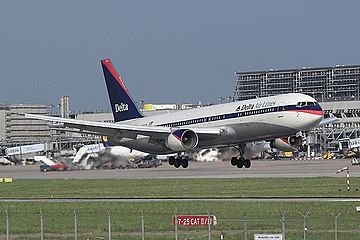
(123, 130)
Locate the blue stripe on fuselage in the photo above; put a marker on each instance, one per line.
(242, 114)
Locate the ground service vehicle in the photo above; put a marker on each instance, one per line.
(355, 161)
(56, 167)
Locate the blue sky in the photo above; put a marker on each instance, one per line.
(165, 51)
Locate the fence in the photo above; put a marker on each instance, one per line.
(82, 224)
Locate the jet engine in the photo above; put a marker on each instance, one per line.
(182, 140)
(289, 144)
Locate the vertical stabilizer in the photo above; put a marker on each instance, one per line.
(122, 105)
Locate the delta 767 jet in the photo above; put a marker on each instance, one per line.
(282, 120)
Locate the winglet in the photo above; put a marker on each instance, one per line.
(122, 105)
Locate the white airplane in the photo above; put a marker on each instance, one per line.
(288, 116)
(121, 151)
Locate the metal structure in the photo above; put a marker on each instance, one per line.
(336, 88)
(336, 136)
(293, 225)
(339, 83)
(15, 129)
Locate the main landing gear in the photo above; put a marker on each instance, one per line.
(178, 161)
(240, 162)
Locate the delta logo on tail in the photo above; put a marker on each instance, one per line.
(123, 107)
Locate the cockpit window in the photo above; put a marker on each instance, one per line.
(300, 104)
(303, 104)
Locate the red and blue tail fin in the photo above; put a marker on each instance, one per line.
(122, 105)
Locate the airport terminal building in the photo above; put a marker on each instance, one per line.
(328, 84)
(15, 129)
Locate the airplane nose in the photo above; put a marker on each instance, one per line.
(317, 114)
(317, 118)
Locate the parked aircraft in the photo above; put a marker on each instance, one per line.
(287, 116)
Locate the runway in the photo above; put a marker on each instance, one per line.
(260, 169)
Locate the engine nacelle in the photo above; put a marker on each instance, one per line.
(182, 140)
(287, 145)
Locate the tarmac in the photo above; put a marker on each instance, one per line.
(284, 168)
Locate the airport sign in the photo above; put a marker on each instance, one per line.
(194, 220)
(268, 237)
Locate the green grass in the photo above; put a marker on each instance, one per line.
(93, 219)
(181, 188)
(93, 216)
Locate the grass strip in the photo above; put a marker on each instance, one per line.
(180, 188)
(264, 217)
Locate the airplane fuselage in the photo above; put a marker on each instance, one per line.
(244, 121)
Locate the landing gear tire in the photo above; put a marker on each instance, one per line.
(177, 163)
(247, 163)
(234, 161)
(185, 163)
(171, 160)
(240, 162)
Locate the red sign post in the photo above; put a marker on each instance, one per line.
(194, 220)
